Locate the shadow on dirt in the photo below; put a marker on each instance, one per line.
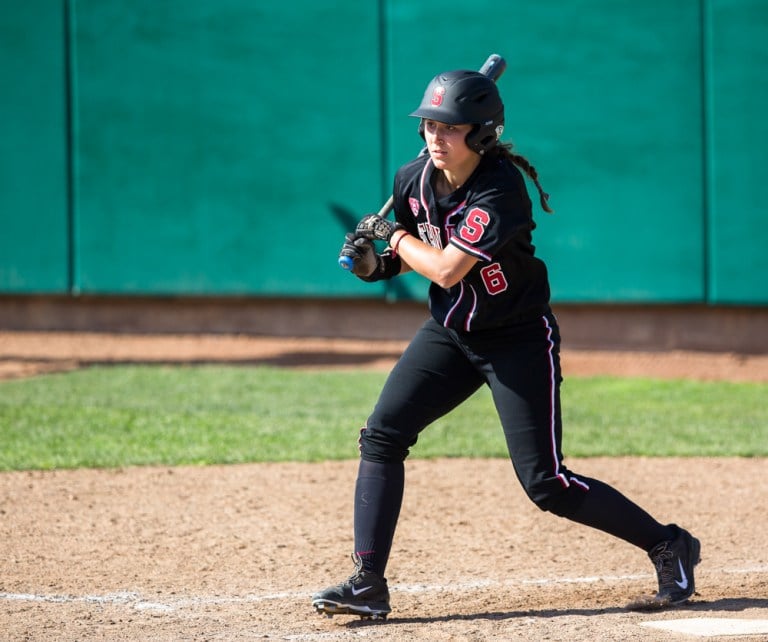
(25, 367)
(307, 359)
(723, 605)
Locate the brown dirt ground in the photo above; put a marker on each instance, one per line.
(234, 552)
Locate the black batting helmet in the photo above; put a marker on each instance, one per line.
(465, 98)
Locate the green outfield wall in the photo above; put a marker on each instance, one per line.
(223, 147)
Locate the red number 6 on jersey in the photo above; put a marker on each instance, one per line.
(474, 225)
(494, 279)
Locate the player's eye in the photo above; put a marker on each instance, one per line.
(432, 126)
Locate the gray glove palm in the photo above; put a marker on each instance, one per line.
(375, 227)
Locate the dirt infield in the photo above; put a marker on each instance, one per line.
(234, 552)
(30, 353)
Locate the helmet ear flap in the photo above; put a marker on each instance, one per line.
(483, 137)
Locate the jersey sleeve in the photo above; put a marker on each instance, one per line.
(491, 219)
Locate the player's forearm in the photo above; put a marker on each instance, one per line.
(444, 268)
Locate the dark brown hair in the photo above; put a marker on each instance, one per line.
(504, 150)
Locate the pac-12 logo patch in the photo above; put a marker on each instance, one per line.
(414, 204)
(437, 96)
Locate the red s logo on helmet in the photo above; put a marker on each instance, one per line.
(437, 96)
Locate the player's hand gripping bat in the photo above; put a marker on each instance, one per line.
(493, 67)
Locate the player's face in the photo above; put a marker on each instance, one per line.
(447, 146)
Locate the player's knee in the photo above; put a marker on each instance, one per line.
(381, 446)
(562, 502)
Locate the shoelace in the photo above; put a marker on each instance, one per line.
(357, 575)
(664, 567)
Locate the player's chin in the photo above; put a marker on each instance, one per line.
(439, 159)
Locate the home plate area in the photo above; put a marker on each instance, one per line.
(711, 627)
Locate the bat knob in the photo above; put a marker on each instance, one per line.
(346, 262)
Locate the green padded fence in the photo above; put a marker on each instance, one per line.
(34, 209)
(224, 147)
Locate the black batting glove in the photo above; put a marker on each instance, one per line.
(362, 253)
(376, 228)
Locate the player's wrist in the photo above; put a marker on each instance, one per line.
(397, 236)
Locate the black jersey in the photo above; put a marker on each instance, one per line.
(490, 218)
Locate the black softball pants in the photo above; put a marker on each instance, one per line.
(439, 370)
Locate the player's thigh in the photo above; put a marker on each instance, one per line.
(432, 377)
(525, 384)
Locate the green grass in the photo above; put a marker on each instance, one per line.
(136, 415)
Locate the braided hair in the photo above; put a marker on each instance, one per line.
(504, 150)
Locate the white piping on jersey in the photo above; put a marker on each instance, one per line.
(459, 299)
(422, 181)
(469, 249)
(447, 225)
(447, 321)
(471, 315)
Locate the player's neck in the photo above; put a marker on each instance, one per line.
(449, 180)
(446, 183)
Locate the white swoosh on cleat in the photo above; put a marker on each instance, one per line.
(357, 592)
(683, 583)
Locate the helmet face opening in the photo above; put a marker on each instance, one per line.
(465, 97)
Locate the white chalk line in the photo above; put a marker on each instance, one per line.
(136, 601)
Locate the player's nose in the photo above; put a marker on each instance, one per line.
(439, 133)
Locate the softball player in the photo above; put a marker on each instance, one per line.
(464, 221)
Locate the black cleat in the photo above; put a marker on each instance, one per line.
(674, 561)
(364, 594)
